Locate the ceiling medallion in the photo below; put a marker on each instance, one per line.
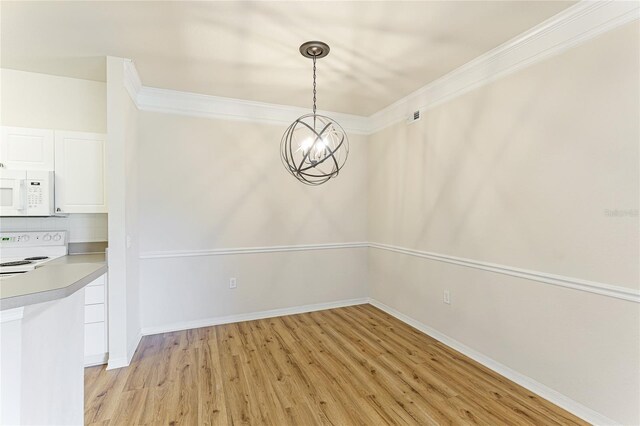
(314, 147)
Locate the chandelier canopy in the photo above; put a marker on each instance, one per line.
(314, 147)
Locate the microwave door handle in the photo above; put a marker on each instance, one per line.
(19, 200)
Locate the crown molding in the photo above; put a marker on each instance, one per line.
(198, 105)
(567, 29)
(194, 104)
(132, 82)
(571, 27)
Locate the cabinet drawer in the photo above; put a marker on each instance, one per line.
(94, 313)
(94, 339)
(97, 281)
(94, 294)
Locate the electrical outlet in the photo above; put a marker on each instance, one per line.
(233, 283)
(446, 297)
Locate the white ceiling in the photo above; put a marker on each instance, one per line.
(380, 51)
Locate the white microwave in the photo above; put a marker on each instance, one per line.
(26, 193)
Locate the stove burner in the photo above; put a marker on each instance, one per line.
(37, 258)
(16, 263)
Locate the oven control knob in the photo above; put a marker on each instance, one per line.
(25, 238)
(47, 237)
(56, 237)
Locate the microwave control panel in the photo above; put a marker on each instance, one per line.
(34, 194)
(39, 193)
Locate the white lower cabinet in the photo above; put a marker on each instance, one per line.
(94, 313)
(94, 294)
(96, 345)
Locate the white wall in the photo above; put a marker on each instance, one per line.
(212, 184)
(51, 102)
(124, 316)
(523, 172)
(132, 227)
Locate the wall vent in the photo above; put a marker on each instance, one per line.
(414, 117)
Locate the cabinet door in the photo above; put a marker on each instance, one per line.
(26, 149)
(94, 340)
(80, 160)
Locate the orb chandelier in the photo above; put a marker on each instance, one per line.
(314, 147)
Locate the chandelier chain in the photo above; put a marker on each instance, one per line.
(314, 85)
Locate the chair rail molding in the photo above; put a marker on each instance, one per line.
(609, 290)
(249, 250)
(567, 29)
(615, 291)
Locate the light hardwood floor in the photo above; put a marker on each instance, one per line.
(348, 366)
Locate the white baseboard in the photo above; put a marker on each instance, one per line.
(118, 362)
(123, 361)
(136, 341)
(208, 322)
(93, 360)
(534, 386)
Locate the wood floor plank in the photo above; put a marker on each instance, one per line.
(353, 376)
(212, 409)
(417, 406)
(282, 383)
(347, 366)
(104, 394)
(310, 363)
(402, 365)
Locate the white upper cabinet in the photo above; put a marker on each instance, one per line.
(80, 166)
(26, 149)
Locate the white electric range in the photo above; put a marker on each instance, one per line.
(22, 252)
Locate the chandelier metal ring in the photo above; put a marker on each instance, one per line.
(314, 148)
(314, 156)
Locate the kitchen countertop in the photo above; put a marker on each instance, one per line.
(56, 279)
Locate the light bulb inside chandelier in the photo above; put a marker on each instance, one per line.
(314, 147)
